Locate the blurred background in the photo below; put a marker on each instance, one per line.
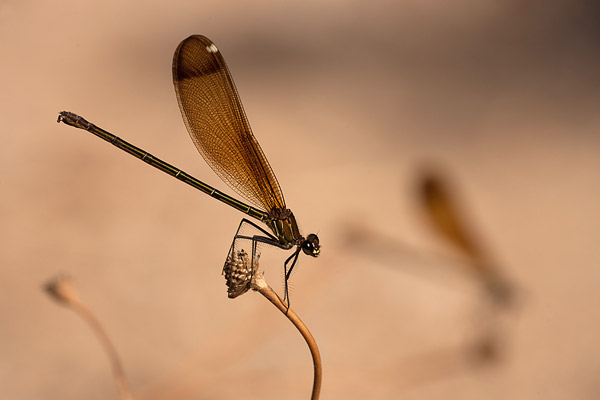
(354, 104)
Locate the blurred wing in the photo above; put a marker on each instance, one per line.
(214, 117)
(438, 204)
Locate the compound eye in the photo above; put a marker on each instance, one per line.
(311, 245)
(307, 247)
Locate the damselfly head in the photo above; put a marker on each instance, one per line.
(311, 245)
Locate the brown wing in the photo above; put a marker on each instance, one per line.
(439, 205)
(214, 117)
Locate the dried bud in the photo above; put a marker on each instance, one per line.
(62, 289)
(239, 272)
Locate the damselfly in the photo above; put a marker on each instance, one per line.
(216, 121)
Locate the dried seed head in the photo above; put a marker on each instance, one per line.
(239, 272)
(62, 289)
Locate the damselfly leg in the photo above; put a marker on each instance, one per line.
(264, 237)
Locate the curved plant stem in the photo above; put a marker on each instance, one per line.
(117, 367)
(263, 288)
(63, 290)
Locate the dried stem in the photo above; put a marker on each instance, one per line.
(116, 365)
(260, 285)
(63, 290)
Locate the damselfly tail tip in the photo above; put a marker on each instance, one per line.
(73, 119)
(65, 116)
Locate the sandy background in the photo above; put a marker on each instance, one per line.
(350, 101)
